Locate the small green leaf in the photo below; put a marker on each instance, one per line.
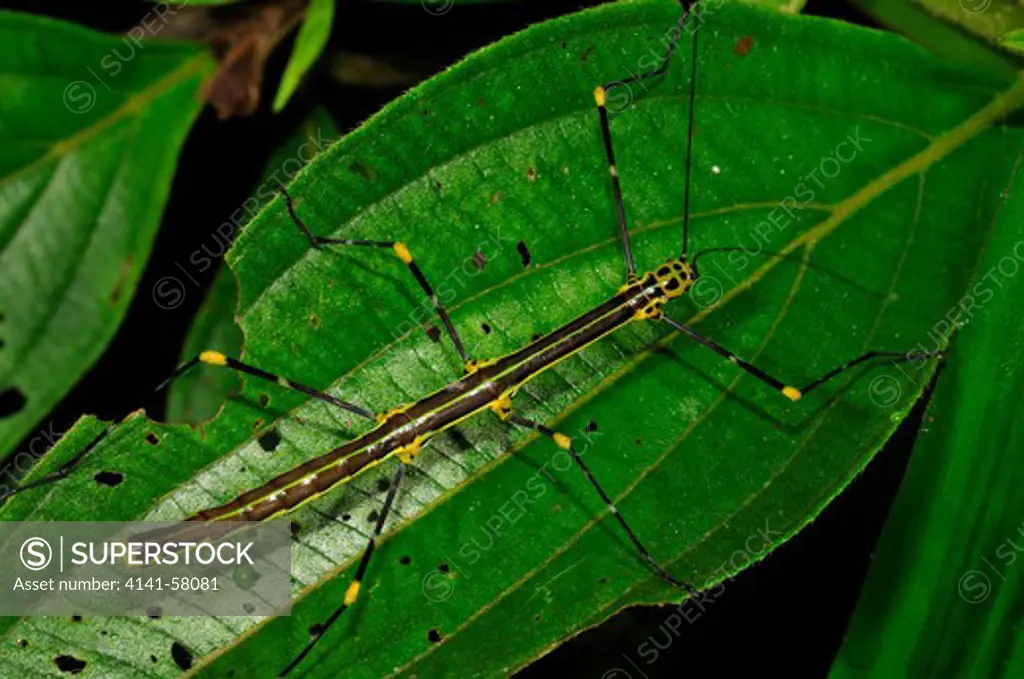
(90, 127)
(1013, 41)
(944, 595)
(938, 36)
(312, 38)
(988, 19)
(199, 394)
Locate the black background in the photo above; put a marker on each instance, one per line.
(786, 616)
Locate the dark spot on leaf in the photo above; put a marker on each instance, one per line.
(637, 442)
(444, 568)
(12, 400)
(269, 441)
(152, 439)
(434, 636)
(537, 617)
(69, 664)
(433, 332)
(372, 516)
(405, 560)
(524, 253)
(564, 44)
(495, 197)
(295, 527)
(104, 632)
(479, 260)
(743, 46)
(486, 328)
(181, 656)
(438, 186)
(264, 400)
(109, 478)
(126, 268)
(346, 517)
(602, 581)
(425, 112)
(155, 612)
(152, 658)
(531, 174)
(316, 629)
(314, 321)
(591, 426)
(363, 170)
(22, 643)
(76, 618)
(383, 485)
(586, 53)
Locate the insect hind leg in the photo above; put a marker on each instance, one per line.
(401, 251)
(565, 443)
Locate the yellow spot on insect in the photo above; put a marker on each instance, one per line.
(600, 96)
(403, 253)
(473, 365)
(387, 415)
(792, 393)
(407, 454)
(213, 358)
(562, 441)
(352, 593)
(502, 406)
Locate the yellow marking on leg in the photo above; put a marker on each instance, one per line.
(352, 593)
(792, 393)
(403, 252)
(213, 358)
(406, 454)
(600, 96)
(562, 441)
(502, 406)
(473, 365)
(388, 414)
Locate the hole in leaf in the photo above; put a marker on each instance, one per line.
(591, 426)
(152, 439)
(22, 643)
(372, 518)
(433, 332)
(12, 400)
(69, 664)
(486, 328)
(444, 568)
(110, 479)
(152, 658)
(269, 441)
(405, 560)
(524, 253)
(383, 485)
(434, 636)
(181, 655)
(346, 517)
(76, 618)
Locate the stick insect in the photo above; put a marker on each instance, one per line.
(490, 384)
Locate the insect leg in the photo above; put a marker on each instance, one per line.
(601, 99)
(352, 593)
(209, 358)
(565, 443)
(401, 251)
(219, 359)
(793, 393)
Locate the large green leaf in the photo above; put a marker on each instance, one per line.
(943, 597)
(710, 467)
(90, 128)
